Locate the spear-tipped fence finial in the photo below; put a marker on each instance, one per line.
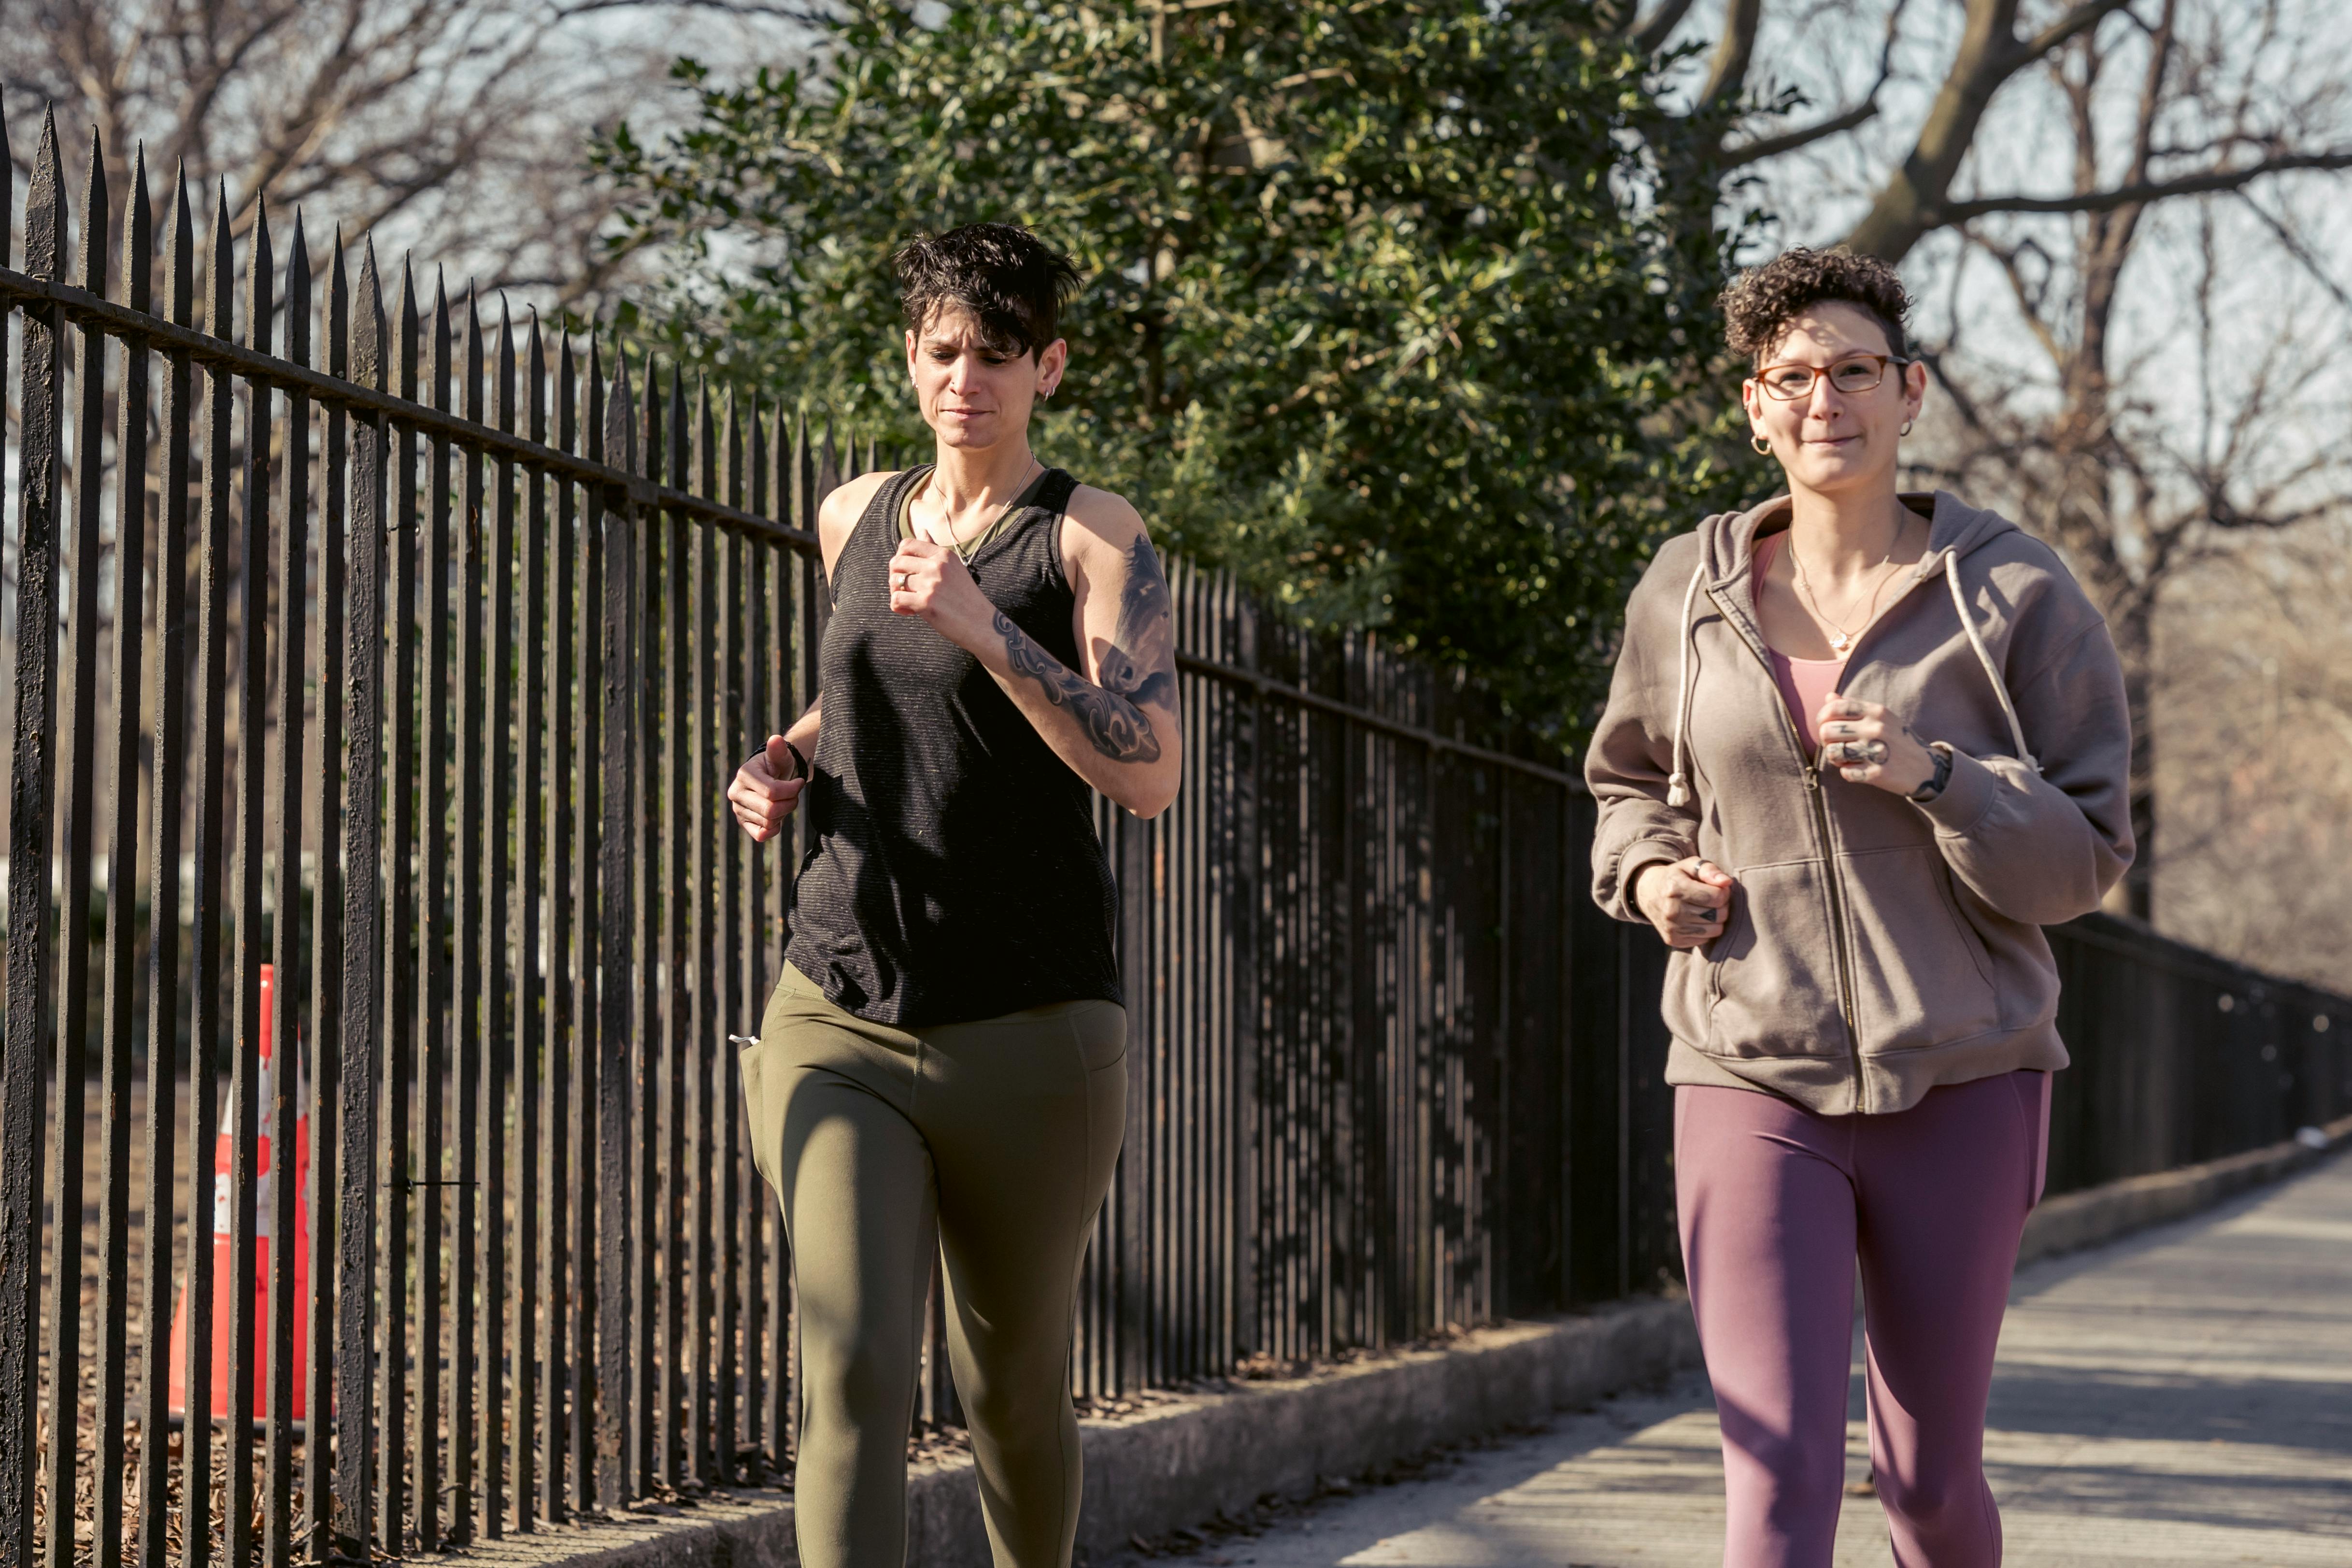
(179, 284)
(91, 273)
(401, 364)
(594, 417)
(138, 238)
(620, 419)
(7, 186)
(261, 295)
(339, 310)
(502, 411)
(367, 326)
(298, 295)
(44, 205)
(220, 282)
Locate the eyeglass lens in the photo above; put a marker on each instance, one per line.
(1790, 381)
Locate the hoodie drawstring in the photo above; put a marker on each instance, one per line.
(1678, 791)
(1992, 674)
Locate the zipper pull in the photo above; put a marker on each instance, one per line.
(1812, 777)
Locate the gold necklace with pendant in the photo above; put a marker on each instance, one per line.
(948, 526)
(1841, 639)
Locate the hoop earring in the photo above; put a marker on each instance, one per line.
(1907, 426)
(1763, 448)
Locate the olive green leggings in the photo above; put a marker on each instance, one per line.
(994, 1143)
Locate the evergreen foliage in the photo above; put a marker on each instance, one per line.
(1402, 308)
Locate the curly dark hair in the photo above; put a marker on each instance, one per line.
(1013, 283)
(1763, 301)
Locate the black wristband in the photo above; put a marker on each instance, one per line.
(800, 762)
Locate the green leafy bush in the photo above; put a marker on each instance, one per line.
(1400, 310)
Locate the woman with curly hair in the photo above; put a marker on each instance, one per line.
(1860, 747)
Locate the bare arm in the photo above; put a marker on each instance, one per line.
(767, 787)
(1115, 723)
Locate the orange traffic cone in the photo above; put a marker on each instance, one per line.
(224, 1225)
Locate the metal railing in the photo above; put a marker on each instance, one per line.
(426, 655)
(408, 654)
(2181, 1057)
(430, 645)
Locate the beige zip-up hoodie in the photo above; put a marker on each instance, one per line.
(1875, 947)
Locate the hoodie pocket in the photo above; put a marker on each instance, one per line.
(1771, 976)
(1921, 974)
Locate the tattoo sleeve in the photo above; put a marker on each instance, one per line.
(1137, 667)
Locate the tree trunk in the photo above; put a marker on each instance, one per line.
(1907, 205)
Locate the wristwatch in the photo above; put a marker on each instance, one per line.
(1943, 775)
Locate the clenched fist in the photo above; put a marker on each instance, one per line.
(930, 581)
(766, 789)
(1868, 745)
(1689, 901)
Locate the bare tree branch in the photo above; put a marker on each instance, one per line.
(1757, 149)
(1915, 197)
(803, 15)
(1740, 155)
(2295, 246)
(461, 122)
(1648, 34)
(2208, 182)
(1727, 75)
(2082, 20)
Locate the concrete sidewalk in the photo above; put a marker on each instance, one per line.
(2181, 1399)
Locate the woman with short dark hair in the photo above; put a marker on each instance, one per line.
(1860, 746)
(941, 1070)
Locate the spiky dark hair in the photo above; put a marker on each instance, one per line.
(1763, 301)
(1013, 284)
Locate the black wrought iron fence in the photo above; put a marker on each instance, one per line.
(429, 643)
(2181, 1057)
(405, 652)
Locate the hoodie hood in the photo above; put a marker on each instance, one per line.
(1727, 540)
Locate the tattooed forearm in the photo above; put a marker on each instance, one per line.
(1141, 664)
(1115, 726)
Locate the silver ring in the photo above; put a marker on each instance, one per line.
(902, 581)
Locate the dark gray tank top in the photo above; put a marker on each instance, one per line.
(956, 873)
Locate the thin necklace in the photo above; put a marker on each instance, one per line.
(1841, 639)
(951, 541)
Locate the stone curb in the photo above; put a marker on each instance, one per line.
(1176, 1464)
(2099, 1215)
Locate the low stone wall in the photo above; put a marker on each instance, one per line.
(1173, 1467)
(2100, 1215)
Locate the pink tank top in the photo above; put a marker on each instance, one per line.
(1805, 683)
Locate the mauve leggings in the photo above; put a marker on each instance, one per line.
(1777, 1203)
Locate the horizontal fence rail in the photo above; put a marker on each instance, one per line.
(374, 1174)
